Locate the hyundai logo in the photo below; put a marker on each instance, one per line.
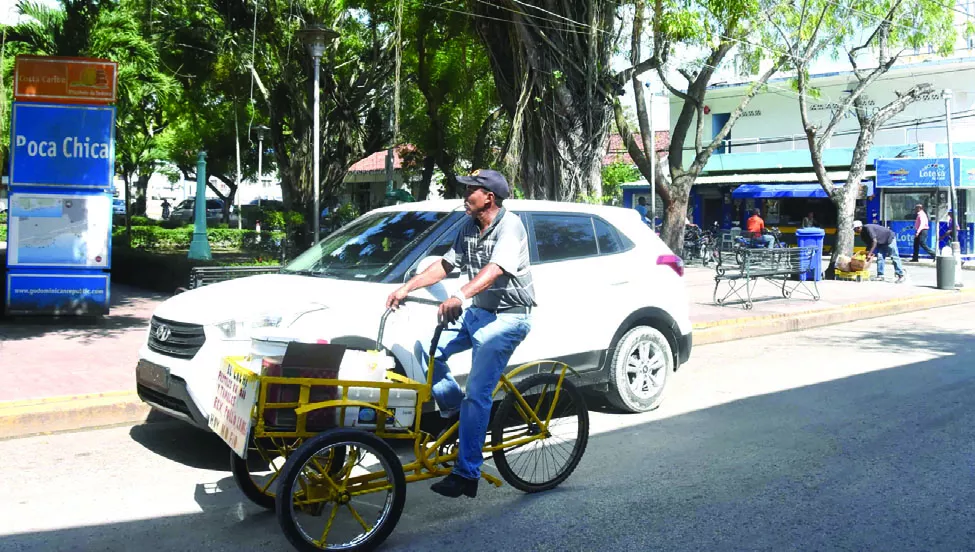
(163, 332)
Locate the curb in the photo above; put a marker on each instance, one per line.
(50, 415)
(740, 328)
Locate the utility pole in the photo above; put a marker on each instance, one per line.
(952, 197)
(653, 161)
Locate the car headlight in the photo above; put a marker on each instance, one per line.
(241, 329)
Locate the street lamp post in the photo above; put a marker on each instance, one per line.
(653, 161)
(260, 130)
(314, 38)
(200, 246)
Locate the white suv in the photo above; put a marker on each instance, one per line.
(611, 303)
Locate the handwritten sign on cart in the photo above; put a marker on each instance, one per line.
(230, 417)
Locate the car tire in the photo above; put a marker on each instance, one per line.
(639, 366)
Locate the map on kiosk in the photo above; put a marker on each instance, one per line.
(59, 230)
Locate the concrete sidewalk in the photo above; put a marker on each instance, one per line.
(70, 374)
(840, 302)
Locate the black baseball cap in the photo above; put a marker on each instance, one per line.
(492, 181)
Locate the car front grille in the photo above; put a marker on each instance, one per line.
(181, 341)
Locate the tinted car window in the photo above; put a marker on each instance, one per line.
(367, 247)
(608, 238)
(445, 243)
(186, 204)
(561, 237)
(214, 204)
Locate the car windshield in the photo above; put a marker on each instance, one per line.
(186, 204)
(214, 204)
(367, 247)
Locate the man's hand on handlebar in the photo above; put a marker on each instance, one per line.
(450, 310)
(396, 298)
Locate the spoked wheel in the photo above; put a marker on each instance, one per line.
(353, 507)
(542, 464)
(257, 476)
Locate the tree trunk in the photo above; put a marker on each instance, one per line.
(675, 213)
(141, 193)
(479, 158)
(421, 191)
(551, 80)
(845, 199)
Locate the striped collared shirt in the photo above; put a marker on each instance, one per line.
(504, 243)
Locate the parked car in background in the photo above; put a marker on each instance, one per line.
(611, 303)
(186, 212)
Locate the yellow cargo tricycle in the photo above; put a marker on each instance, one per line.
(344, 488)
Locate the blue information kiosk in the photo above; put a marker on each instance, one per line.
(60, 209)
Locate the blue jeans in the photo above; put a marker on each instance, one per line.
(889, 250)
(492, 339)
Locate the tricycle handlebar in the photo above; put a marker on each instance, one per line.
(430, 302)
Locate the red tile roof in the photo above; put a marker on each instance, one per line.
(616, 149)
(376, 162)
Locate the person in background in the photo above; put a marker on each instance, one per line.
(880, 242)
(165, 209)
(755, 229)
(641, 208)
(948, 234)
(809, 221)
(921, 226)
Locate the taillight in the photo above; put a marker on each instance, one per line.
(673, 261)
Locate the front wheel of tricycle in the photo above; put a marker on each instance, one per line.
(353, 508)
(540, 464)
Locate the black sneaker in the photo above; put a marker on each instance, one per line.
(453, 486)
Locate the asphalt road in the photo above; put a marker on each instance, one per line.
(855, 437)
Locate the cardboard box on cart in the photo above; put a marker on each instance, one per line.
(303, 360)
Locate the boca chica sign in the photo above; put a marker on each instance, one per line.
(68, 146)
(65, 80)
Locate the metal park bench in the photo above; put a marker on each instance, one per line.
(776, 266)
(205, 275)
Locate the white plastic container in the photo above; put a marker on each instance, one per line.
(402, 402)
(365, 365)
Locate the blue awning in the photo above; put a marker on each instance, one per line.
(778, 190)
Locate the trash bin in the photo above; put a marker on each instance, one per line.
(945, 268)
(812, 267)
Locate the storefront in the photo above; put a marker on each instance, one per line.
(782, 204)
(905, 183)
(785, 206)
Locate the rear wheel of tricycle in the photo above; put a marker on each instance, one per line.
(541, 464)
(354, 507)
(257, 476)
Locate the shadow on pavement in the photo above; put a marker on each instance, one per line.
(876, 461)
(184, 444)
